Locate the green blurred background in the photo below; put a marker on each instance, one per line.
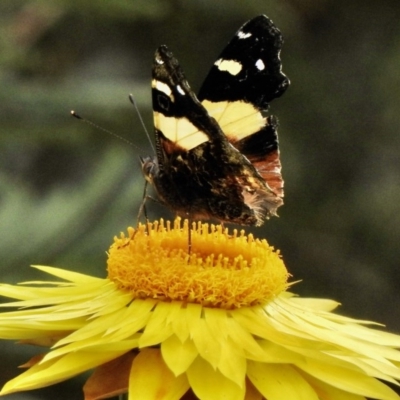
(67, 188)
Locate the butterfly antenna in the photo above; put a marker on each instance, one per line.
(132, 100)
(86, 121)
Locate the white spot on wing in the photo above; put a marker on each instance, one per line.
(180, 90)
(231, 66)
(243, 35)
(260, 64)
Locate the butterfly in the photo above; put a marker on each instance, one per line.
(217, 156)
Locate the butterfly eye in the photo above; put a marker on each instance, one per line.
(149, 168)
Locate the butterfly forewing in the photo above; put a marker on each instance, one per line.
(248, 69)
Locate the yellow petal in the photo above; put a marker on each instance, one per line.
(51, 371)
(150, 378)
(70, 296)
(254, 320)
(157, 329)
(183, 318)
(278, 382)
(315, 304)
(91, 347)
(27, 293)
(243, 340)
(138, 313)
(313, 327)
(193, 313)
(68, 275)
(113, 327)
(93, 329)
(328, 392)
(232, 364)
(209, 384)
(234, 341)
(208, 346)
(177, 355)
(179, 321)
(348, 380)
(276, 354)
(381, 370)
(216, 320)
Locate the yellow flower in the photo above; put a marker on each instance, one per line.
(218, 324)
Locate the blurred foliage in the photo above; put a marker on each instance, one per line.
(67, 187)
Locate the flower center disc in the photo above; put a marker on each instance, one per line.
(223, 270)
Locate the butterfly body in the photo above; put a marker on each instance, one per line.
(216, 155)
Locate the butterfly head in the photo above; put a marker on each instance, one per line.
(149, 168)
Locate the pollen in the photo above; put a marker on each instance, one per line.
(222, 270)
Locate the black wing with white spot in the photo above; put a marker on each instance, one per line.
(249, 68)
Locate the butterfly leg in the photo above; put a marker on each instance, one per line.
(142, 208)
(190, 222)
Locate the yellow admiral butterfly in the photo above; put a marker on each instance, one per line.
(217, 156)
